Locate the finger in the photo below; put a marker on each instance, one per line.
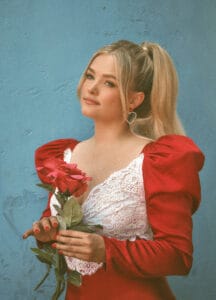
(73, 233)
(82, 256)
(45, 223)
(36, 227)
(54, 222)
(28, 233)
(75, 255)
(70, 241)
(69, 248)
(76, 252)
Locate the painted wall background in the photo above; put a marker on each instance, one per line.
(44, 46)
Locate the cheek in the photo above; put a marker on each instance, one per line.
(117, 103)
(82, 89)
(114, 104)
(112, 97)
(85, 86)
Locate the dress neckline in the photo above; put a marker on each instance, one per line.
(67, 160)
(109, 177)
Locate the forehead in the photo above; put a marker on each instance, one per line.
(104, 63)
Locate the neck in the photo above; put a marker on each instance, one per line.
(105, 134)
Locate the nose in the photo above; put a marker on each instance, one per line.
(93, 87)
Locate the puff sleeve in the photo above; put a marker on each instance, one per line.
(52, 150)
(172, 191)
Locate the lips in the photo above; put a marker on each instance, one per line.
(90, 101)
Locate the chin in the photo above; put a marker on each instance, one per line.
(88, 112)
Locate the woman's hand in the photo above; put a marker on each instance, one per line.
(43, 230)
(82, 245)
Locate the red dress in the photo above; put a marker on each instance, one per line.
(137, 269)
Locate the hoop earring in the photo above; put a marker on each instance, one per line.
(132, 115)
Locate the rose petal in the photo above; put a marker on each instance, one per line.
(79, 177)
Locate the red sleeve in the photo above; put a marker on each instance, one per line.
(172, 191)
(52, 150)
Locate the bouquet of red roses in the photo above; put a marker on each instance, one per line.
(66, 182)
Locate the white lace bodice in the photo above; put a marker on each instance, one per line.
(118, 204)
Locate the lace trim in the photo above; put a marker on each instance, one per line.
(118, 204)
(81, 266)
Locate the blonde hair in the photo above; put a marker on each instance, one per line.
(146, 68)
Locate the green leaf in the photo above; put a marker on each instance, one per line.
(43, 255)
(72, 212)
(43, 260)
(47, 247)
(61, 198)
(83, 228)
(74, 278)
(59, 210)
(86, 227)
(62, 223)
(46, 186)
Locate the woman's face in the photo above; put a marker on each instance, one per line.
(100, 96)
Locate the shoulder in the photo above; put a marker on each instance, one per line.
(170, 148)
(171, 164)
(54, 149)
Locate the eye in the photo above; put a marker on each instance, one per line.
(89, 76)
(110, 83)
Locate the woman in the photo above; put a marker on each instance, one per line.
(145, 183)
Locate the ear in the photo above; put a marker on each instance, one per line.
(137, 99)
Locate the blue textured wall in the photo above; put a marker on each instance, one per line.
(44, 46)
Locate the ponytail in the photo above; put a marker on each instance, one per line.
(161, 118)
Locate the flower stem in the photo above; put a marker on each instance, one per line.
(44, 278)
(60, 280)
(57, 291)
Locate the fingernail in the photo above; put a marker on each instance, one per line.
(53, 245)
(24, 236)
(60, 252)
(46, 228)
(55, 225)
(36, 231)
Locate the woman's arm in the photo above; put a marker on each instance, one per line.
(170, 219)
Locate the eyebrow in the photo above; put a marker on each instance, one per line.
(104, 75)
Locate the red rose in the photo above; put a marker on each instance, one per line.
(68, 184)
(66, 177)
(48, 172)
